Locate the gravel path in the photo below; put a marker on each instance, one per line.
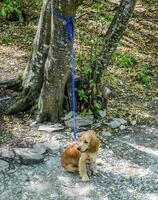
(129, 171)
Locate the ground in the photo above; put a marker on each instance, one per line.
(128, 166)
(128, 159)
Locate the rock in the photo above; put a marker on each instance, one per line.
(33, 124)
(123, 127)
(97, 125)
(51, 128)
(3, 165)
(7, 195)
(121, 120)
(28, 155)
(154, 167)
(52, 146)
(100, 162)
(102, 113)
(152, 196)
(81, 121)
(116, 122)
(68, 116)
(133, 122)
(106, 134)
(6, 152)
(39, 147)
(113, 124)
(106, 92)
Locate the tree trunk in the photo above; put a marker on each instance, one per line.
(112, 38)
(48, 69)
(57, 67)
(116, 29)
(33, 75)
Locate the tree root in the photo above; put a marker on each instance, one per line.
(26, 100)
(13, 84)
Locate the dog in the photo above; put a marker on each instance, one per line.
(77, 156)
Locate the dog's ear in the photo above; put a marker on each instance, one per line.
(94, 144)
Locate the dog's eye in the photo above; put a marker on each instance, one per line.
(86, 141)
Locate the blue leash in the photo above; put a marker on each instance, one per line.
(69, 26)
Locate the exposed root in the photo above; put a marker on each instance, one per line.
(13, 84)
(23, 102)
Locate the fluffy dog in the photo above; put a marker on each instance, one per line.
(76, 156)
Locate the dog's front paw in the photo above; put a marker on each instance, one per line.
(85, 178)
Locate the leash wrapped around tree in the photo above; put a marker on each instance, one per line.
(69, 29)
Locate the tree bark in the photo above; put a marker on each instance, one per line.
(112, 38)
(57, 67)
(33, 75)
(116, 29)
(48, 69)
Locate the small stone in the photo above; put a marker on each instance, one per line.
(99, 162)
(28, 155)
(113, 124)
(33, 124)
(121, 120)
(3, 165)
(106, 134)
(123, 127)
(68, 116)
(97, 125)
(102, 113)
(106, 92)
(133, 122)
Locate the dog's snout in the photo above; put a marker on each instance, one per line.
(78, 148)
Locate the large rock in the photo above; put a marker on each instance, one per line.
(28, 155)
(3, 165)
(81, 121)
(52, 146)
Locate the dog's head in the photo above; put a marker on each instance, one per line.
(88, 142)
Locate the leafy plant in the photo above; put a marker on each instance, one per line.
(87, 70)
(6, 39)
(125, 61)
(18, 9)
(9, 8)
(82, 95)
(109, 17)
(144, 75)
